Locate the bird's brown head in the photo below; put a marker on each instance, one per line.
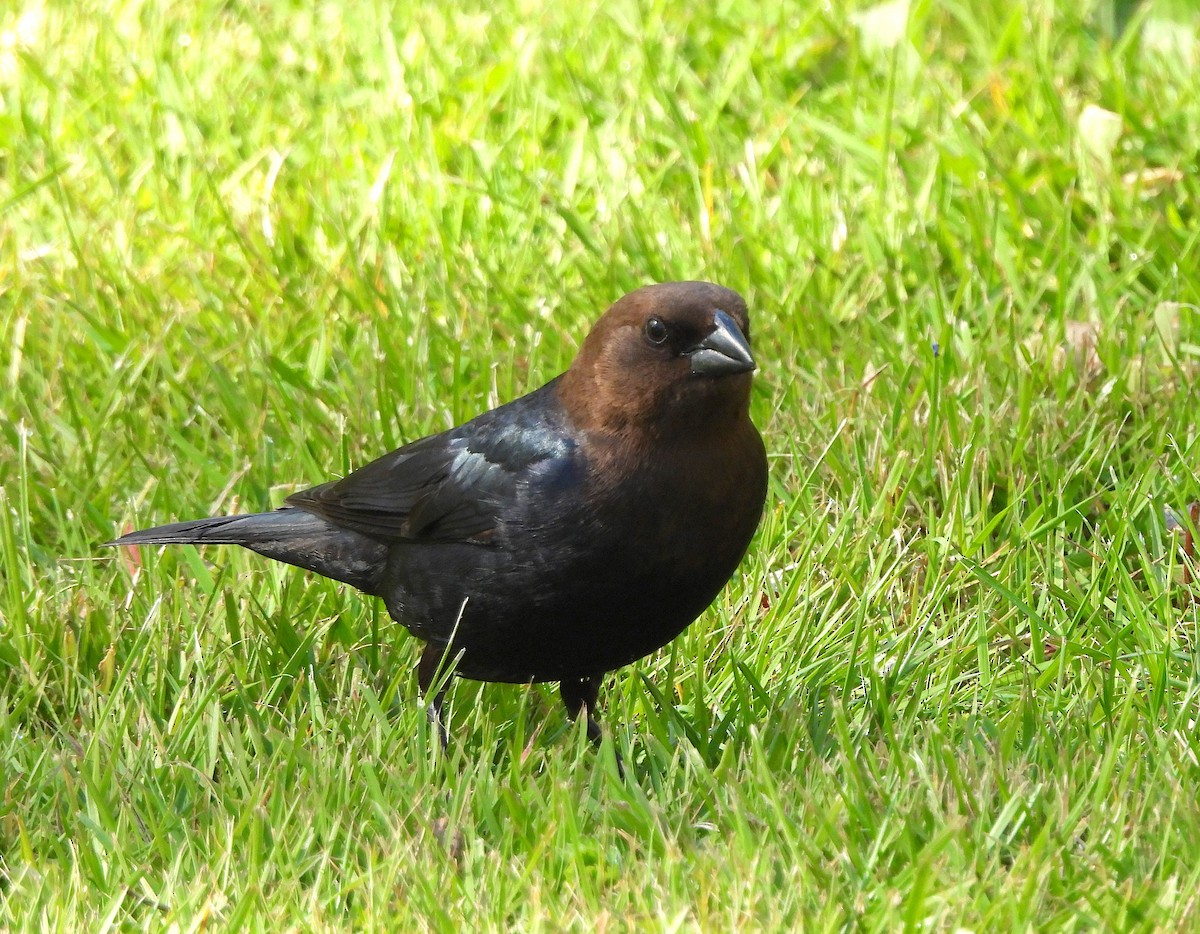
(667, 357)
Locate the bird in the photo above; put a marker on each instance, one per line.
(562, 535)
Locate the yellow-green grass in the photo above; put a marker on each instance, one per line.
(245, 247)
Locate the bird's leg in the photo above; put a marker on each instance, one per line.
(583, 694)
(428, 669)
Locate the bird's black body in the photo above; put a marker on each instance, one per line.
(562, 535)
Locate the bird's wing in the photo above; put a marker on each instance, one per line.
(452, 487)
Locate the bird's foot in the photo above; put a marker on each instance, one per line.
(583, 695)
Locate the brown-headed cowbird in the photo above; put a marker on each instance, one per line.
(562, 535)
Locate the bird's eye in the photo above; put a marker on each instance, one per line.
(656, 330)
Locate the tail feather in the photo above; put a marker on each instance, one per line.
(219, 530)
(290, 535)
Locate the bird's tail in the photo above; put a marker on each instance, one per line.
(290, 535)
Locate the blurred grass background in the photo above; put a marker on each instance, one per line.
(245, 247)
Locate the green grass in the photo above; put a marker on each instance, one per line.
(244, 248)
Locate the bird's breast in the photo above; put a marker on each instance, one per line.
(597, 565)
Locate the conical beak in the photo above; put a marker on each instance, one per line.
(723, 352)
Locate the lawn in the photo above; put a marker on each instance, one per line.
(246, 247)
